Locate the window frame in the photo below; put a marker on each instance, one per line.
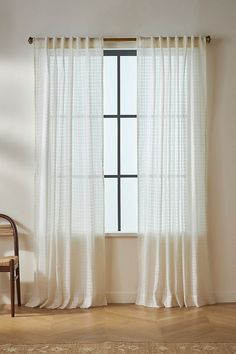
(118, 53)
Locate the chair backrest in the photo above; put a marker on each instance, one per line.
(8, 228)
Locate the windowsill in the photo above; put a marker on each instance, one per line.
(121, 235)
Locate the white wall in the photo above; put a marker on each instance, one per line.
(20, 19)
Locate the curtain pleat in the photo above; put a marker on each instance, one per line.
(173, 250)
(69, 215)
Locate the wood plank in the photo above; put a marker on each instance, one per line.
(133, 323)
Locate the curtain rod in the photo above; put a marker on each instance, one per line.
(126, 39)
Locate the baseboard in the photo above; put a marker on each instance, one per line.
(112, 298)
(129, 298)
(225, 297)
(121, 298)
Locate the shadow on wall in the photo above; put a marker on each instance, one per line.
(26, 263)
(14, 152)
(220, 157)
(16, 191)
(70, 263)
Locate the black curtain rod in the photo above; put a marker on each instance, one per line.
(127, 39)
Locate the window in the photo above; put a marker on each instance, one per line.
(120, 141)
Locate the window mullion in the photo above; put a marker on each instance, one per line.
(118, 145)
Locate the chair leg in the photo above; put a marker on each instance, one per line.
(18, 286)
(12, 285)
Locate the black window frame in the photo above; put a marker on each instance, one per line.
(119, 116)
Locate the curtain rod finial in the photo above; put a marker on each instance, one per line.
(30, 40)
(208, 39)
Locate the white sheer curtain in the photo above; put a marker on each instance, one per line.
(174, 268)
(69, 225)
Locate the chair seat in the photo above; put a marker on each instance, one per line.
(5, 261)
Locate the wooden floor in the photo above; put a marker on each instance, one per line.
(133, 323)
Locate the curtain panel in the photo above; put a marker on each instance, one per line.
(69, 215)
(173, 264)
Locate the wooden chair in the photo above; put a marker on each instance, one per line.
(11, 263)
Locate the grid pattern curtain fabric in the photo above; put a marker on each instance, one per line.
(174, 268)
(69, 217)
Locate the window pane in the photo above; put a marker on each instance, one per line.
(129, 205)
(128, 146)
(110, 84)
(110, 146)
(110, 205)
(128, 85)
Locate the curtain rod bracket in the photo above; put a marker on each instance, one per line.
(30, 40)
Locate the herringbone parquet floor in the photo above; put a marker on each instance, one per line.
(215, 323)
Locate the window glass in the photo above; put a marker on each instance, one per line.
(128, 146)
(110, 204)
(128, 85)
(129, 205)
(110, 146)
(110, 84)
